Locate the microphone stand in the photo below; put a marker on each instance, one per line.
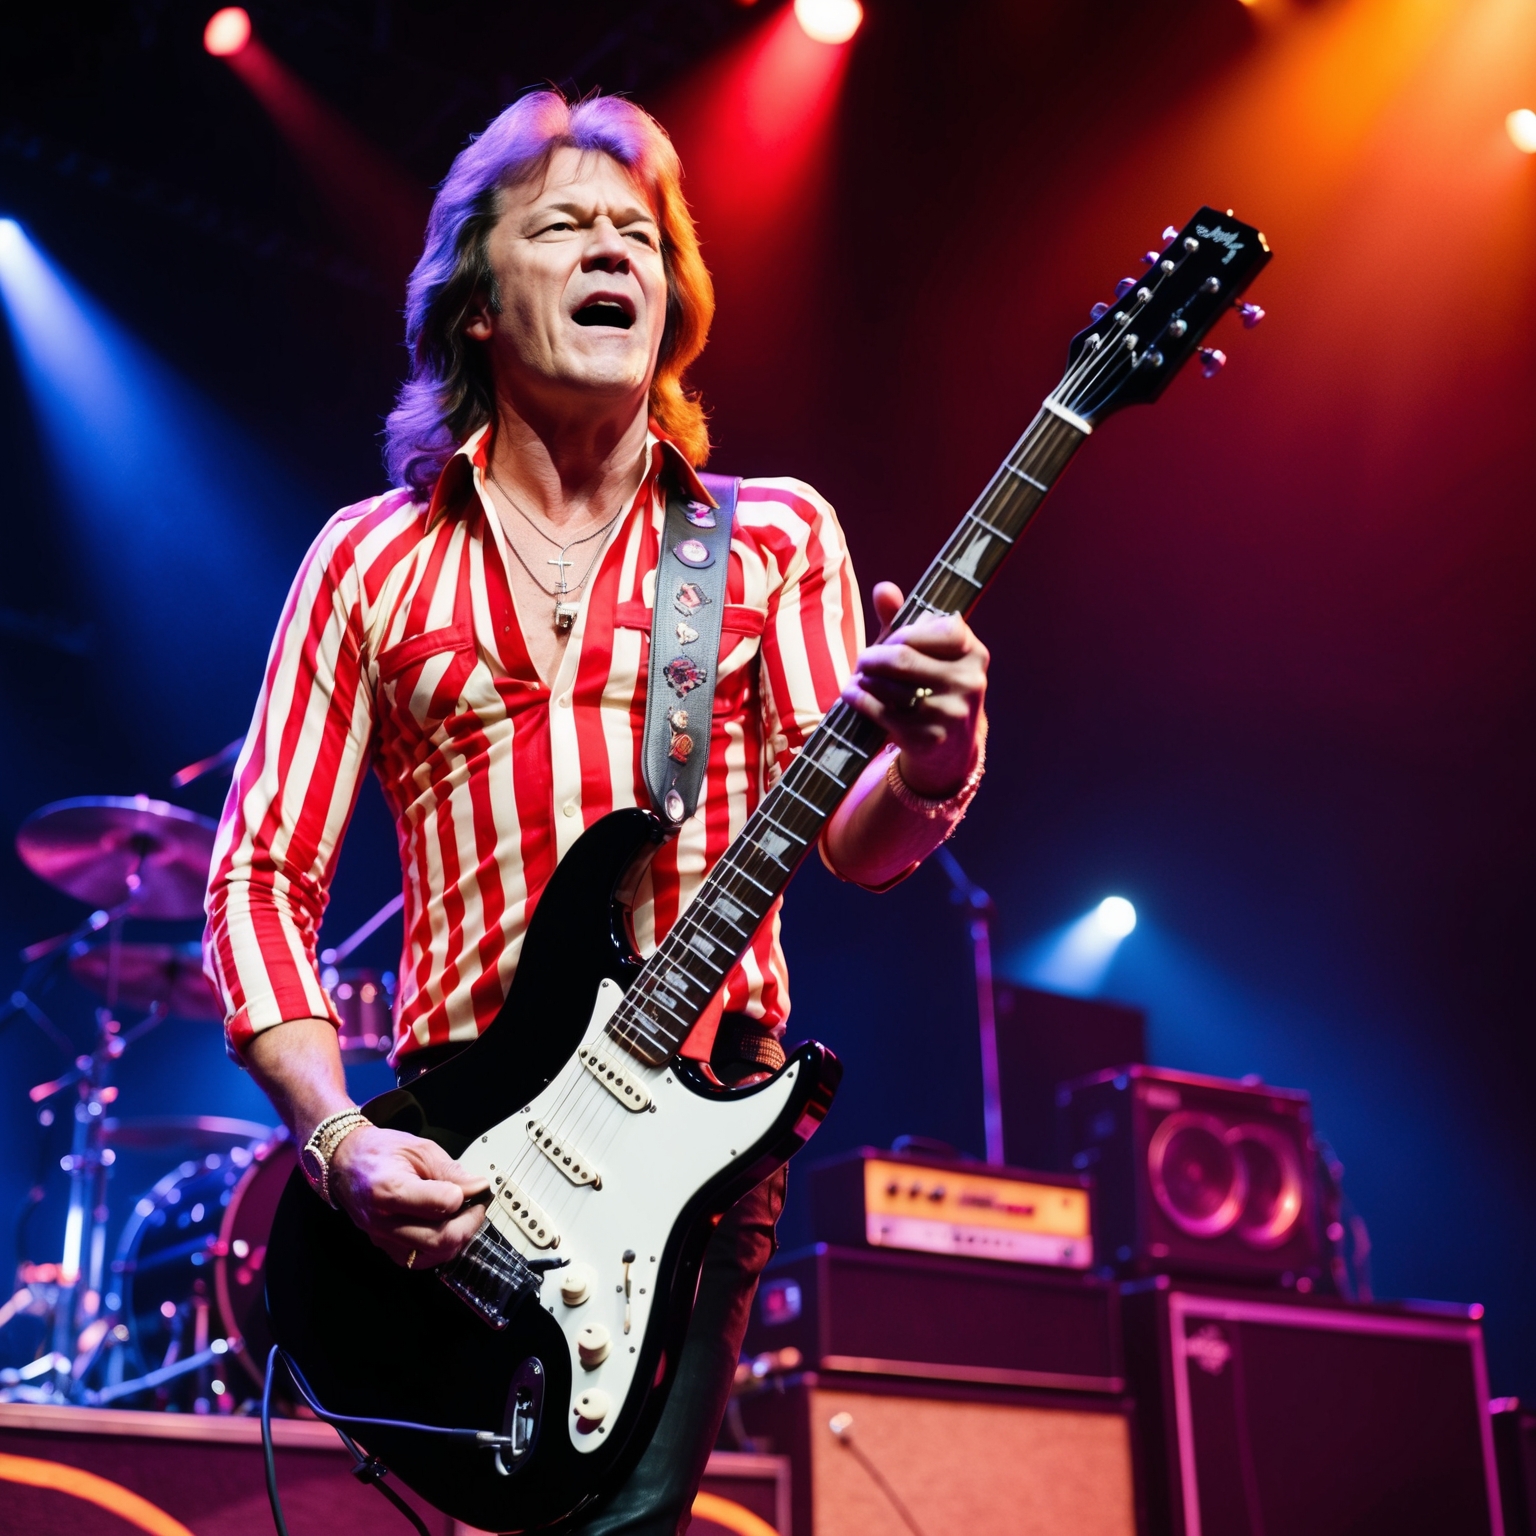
(966, 893)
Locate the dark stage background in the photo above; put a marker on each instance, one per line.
(1265, 666)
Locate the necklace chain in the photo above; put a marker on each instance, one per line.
(565, 611)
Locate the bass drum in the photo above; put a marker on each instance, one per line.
(239, 1271)
(189, 1270)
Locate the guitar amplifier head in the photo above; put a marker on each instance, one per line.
(928, 1204)
(1196, 1174)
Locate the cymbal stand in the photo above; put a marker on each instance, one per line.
(81, 1270)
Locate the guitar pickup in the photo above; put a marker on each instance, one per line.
(559, 1151)
(616, 1078)
(530, 1221)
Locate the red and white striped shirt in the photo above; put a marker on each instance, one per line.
(400, 648)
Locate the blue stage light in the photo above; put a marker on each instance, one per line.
(1117, 917)
(1077, 957)
(167, 506)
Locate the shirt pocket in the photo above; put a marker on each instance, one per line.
(435, 688)
(412, 652)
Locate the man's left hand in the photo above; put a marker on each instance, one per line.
(924, 685)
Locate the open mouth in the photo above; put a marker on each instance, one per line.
(604, 312)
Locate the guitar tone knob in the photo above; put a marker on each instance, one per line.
(575, 1285)
(592, 1346)
(593, 1406)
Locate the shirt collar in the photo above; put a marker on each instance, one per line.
(457, 478)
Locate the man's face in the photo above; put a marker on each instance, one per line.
(578, 264)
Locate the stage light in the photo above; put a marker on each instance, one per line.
(1117, 917)
(227, 32)
(1522, 130)
(1076, 958)
(829, 21)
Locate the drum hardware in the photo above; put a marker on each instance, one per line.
(145, 974)
(223, 758)
(364, 999)
(180, 1310)
(130, 857)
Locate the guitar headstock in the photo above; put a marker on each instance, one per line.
(1133, 348)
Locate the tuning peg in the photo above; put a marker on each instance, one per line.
(1150, 258)
(1251, 313)
(1212, 361)
(1169, 233)
(1124, 286)
(1098, 311)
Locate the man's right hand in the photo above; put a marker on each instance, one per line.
(407, 1194)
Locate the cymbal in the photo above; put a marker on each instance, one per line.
(161, 1133)
(171, 974)
(105, 849)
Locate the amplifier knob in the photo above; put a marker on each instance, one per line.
(592, 1346)
(575, 1285)
(592, 1407)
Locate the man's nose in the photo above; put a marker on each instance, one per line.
(605, 250)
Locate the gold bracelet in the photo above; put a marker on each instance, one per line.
(951, 809)
(315, 1158)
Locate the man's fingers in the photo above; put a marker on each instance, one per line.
(433, 1245)
(437, 1165)
(432, 1200)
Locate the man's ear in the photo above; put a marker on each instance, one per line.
(478, 324)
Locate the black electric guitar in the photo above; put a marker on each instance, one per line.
(542, 1355)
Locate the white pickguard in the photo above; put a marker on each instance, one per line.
(650, 1165)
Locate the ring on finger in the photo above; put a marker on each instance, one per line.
(918, 695)
(410, 1261)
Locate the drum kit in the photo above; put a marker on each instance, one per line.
(175, 1319)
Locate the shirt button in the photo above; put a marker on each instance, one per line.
(569, 808)
(565, 701)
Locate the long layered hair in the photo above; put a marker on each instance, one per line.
(449, 394)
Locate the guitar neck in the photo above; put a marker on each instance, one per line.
(691, 964)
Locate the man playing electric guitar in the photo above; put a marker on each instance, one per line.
(477, 638)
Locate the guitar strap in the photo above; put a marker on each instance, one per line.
(691, 573)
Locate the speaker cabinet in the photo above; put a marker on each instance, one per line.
(1284, 1416)
(960, 1462)
(873, 1313)
(1196, 1175)
(1514, 1444)
(1044, 1039)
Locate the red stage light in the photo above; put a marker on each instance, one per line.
(227, 32)
(829, 21)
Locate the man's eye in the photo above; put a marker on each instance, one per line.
(560, 226)
(644, 236)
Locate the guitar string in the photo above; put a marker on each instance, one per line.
(1091, 370)
(561, 1123)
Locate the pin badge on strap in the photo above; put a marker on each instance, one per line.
(685, 646)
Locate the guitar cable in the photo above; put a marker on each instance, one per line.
(366, 1469)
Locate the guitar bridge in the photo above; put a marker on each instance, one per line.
(492, 1278)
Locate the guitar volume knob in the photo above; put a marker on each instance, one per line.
(575, 1285)
(592, 1345)
(592, 1407)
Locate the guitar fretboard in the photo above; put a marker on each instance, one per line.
(691, 964)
